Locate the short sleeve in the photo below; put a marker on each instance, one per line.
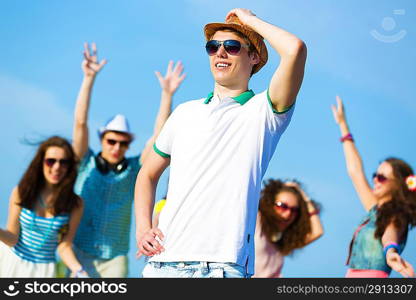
(164, 141)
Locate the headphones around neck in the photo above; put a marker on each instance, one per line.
(104, 166)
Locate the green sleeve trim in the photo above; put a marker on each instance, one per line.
(163, 154)
(274, 110)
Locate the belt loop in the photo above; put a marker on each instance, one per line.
(204, 267)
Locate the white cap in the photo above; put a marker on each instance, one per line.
(117, 123)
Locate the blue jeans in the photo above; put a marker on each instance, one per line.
(194, 269)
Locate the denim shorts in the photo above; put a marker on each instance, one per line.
(193, 269)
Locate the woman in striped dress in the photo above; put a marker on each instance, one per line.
(44, 213)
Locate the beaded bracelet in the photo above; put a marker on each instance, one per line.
(347, 137)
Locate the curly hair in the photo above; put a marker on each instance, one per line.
(33, 180)
(294, 236)
(401, 210)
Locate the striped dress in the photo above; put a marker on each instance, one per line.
(34, 253)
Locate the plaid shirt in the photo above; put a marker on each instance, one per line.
(104, 231)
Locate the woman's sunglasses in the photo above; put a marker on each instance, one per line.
(380, 177)
(232, 47)
(51, 161)
(285, 207)
(122, 143)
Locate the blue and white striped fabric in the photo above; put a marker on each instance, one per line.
(38, 238)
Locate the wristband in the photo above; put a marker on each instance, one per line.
(390, 245)
(78, 274)
(347, 137)
(312, 213)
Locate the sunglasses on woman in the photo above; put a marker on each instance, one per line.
(380, 177)
(122, 143)
(232, 47)
(51, 161)
(283, 206)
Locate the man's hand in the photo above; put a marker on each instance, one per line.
(149, 243)
(90, 65)
(173, 78)
(242, 13)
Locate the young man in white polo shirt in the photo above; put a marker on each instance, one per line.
(218, 149)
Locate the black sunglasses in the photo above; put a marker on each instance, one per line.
(122, 143)
(232, 47)
(51, 161)
(284, 206)
(380, 177)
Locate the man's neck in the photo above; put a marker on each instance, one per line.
(227, 91)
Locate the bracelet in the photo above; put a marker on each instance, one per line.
(347, 137)
(389, 246)
(312, 213)
(78, 273)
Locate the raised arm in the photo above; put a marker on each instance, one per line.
(392, 235)
(90, 67)
(10, 236)
(287, 79)
(353, 160)
(317, 229)
(169, 84)
(144, 197)
(65, 246)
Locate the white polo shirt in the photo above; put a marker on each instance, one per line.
(219, 151)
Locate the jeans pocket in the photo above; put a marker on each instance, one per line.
(234, 271)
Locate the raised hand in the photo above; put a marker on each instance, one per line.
(399, 265)
(172, 79)
(338, 111)
(242, 13)
(90, 65)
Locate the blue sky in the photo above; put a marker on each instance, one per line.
(40, 74)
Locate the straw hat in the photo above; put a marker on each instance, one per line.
(255, 39)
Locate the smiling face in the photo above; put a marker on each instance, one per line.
(231, 70)
(384, 187)
(114, 146)
(55, 165)
(286, 208)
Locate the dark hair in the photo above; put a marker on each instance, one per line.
(251, 48)
(295, 235)
(401, 210)
(33, 180)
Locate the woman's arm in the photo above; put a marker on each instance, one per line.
(65, 246)
(392, 235)
(10, 236)
(317, 229)
(353, 160)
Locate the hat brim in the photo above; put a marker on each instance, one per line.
(255, 39)
(102, 130)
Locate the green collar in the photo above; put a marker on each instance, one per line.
(242, 98)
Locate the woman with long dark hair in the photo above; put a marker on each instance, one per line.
(391, 211)
(287, 220)
(44, 213)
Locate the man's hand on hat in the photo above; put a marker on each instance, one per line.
(242, 13)
(90, 65)
(173, 78)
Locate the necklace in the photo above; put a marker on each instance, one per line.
(276, 237)
(43, 203)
